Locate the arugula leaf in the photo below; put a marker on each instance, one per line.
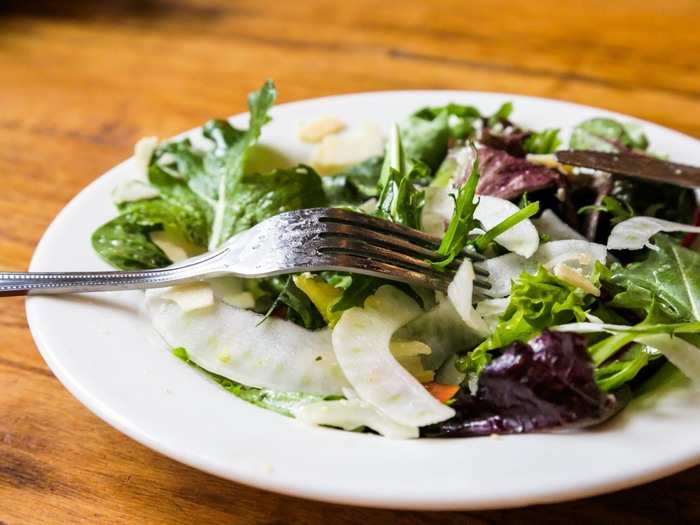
(536, 303)
(542, 142)
(124, 242)
(669, 276)
(462, 221)
(280, 402)
(300, 309)
(621, 371)
(606, 134)
(354, 185)
(399, 199)
(224, 223)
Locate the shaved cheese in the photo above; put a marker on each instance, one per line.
(350, 414)
(504, 269)
(235, 343)
(133, 190)
(460, 293)
(574, 277)
(336, 152)
(361, 343)
(318, 129)
(190, 297)
(636, 233)
(174, 251)
(556, 229)
(143, 151)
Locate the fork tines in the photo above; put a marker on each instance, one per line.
(359, 235)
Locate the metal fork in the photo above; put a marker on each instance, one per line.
(305, 240)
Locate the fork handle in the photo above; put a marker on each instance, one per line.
(23, 283)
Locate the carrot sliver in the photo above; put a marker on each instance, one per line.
(440, 392)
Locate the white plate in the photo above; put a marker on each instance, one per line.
(98, 347)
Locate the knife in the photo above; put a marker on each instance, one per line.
(633, 165)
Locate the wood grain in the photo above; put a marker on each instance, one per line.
(81, 81)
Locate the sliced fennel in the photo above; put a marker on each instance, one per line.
(231, 342)
(443, 330)
(350, 414)
(581, 255)
(685, 356)
(552, 226)
(491, 309)
(361, 343)
(460, 293)
(636, 233)
(522, 238)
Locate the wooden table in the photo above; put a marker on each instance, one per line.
(81, 81)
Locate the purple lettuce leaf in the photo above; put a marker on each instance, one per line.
(546, 384)
(508, 177)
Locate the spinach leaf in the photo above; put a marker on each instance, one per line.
(606, 134)
(425, 139)
(280, 402)
(259, 196)
(124, 242)
(354, 185)
(669, 277)
(536, 303)
(234, 158)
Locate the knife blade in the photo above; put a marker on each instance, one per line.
(633, 165)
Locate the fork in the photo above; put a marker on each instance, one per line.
(313, 239)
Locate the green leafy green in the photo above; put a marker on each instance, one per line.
(620, 211)
(669, 276)
(300, 309)
(425, 139)
(481, 242)
(542, 142)
(621, 371)
(124, 242)
(280, 402)
(259, 196)
(462, 221)
(606, 134)
(460, 118)
(537, 302)
(399, 199)
(354, 185)
(503, 113)
(225, 221)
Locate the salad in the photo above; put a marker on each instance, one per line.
(594, 287)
